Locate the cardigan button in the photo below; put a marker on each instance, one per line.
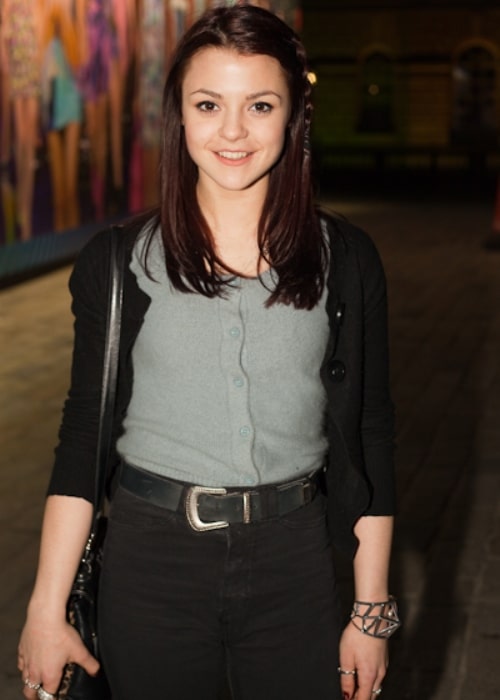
(339, 313)
(337, 371)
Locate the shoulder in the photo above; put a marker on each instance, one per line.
(355, 260)
(100, 243)
(348, 239)
(91, 268)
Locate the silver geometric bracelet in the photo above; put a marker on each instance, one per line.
(376, 619)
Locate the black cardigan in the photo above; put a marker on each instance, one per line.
(360, 422)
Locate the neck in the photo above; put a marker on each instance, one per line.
(233, 218)
(232, 213)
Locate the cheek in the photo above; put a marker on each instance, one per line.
(277, 137)
(192, 138)
(196, 133)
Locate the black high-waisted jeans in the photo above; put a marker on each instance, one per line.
(181, 610)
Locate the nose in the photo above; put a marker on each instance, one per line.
(233, 125)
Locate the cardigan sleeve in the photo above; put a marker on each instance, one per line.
(377, 410)
(355, 373)
(75, 455)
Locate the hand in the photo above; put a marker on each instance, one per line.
(45, 647)
(368, 656)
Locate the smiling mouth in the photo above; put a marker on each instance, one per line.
(233, 155)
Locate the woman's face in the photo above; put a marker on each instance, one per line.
(235, 111)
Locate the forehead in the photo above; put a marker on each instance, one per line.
(221, 65)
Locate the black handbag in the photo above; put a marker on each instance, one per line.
(81, 611)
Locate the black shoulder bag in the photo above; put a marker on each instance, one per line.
(81, 611)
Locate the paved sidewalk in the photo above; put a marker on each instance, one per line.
(445, 338)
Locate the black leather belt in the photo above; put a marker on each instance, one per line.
(214, 508)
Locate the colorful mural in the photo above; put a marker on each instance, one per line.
(80, 102)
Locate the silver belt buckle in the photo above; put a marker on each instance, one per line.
(192, 514)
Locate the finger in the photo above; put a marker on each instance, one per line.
(20, 660)
(347, 682)
(366, 684)
(51, 682)
(87, 662)
(30, 686)
(348, 687)
(29, 694)
(377, 686)
(44, 694)
(92, 666)
(378, 682)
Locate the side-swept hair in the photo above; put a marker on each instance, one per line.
(289, 233)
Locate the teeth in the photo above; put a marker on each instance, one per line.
(233, 155)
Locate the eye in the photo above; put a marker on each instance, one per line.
(262, 107)
(206, 106)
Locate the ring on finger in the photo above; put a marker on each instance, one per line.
(44, 694)
(376, 691)
(343, 672)
(30, 685)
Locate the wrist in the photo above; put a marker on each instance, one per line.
(45, 607)
(374, 595)
(376, 618)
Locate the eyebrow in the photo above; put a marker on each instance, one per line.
(253, 96)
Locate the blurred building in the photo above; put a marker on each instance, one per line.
(406, 84)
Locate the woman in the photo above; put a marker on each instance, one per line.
(252, 405)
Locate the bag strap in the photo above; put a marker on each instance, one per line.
(110, 368)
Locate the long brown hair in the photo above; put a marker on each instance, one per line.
(289, 233)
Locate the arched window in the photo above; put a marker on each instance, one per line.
(474, 86)
(377, 94)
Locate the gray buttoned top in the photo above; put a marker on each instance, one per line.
(226, 392)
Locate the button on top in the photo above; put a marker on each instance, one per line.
(235, 332)
(238, 381)
(245, 431)
(337, 371)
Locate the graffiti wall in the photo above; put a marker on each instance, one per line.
(80, 100)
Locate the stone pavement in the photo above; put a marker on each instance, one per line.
(444, 293)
